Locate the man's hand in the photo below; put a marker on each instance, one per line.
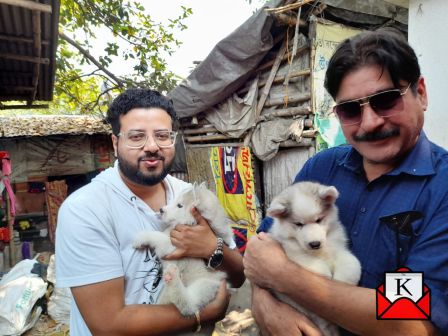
(196, 241)
(216, 310)
(277, 318)
(263, 260)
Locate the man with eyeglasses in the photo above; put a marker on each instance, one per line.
(115, 287)
(389, 170)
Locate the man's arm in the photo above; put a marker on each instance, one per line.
(274, 317)
(105, 313)
(199, 241)
(350, 307)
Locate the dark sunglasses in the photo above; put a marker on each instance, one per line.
(385, 104)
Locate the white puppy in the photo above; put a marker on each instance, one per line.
(307, 226)
(189, 284)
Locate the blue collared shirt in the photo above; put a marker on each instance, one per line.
(419, 183)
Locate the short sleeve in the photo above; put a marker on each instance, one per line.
(86, 249)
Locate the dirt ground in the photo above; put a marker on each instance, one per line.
(238, 321)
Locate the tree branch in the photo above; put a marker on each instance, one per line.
(87, 55)
(101, 94)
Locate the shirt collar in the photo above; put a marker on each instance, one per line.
(418, 162)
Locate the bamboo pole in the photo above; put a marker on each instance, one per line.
(267, 87)
(294, 99)
(278, 79)
(267, 65)
(223, 144)
(288, 20)
(214, 137)
(200, 130)
(292, 6)
(288, 112)
(308, 142)
(294, 49)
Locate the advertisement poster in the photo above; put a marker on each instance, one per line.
(235, 188)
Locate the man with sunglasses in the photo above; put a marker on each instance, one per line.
(115, 287)
(389, 167)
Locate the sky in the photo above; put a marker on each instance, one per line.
(211, 21)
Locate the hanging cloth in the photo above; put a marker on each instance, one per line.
(4, 179)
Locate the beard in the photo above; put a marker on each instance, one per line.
(133, 173)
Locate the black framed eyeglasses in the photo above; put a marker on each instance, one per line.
(138, 139)
(385, 104)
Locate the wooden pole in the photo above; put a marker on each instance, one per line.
(31, 5)
(20, 39)
(31, 59)
(37, 48)
(267, 87)
(288, 112)
(299, 98)
(279, 79)
(9, 220)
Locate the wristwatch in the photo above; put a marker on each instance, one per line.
(217, 257)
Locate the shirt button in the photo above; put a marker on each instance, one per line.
(363, 209)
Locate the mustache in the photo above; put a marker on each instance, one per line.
(152, 157)
(377, 135)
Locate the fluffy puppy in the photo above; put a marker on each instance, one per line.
(189, 284)
(307, 225)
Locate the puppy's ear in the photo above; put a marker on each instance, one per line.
(328, 194)
(279, 207)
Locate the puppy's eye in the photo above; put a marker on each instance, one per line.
(318, 220)
(180, 206)
(299, 225)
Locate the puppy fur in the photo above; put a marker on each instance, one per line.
(189, 284)
(307, 225)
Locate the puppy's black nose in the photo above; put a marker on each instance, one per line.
(314, 245)
(161, 210)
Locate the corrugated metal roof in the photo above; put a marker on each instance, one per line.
(28, 41)
(43, 125)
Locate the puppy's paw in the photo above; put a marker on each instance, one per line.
(170, 274)
(140, 242)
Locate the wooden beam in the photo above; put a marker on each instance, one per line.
(225, 144)
(23, 107)
(31, 5)
(304, 142)
(12, 96)
(24, 58)
(289, 20)
(201, 130)
(267, 65)
(20, 39)
(16, 88)
(287, 112)
(7, 75)
(37, 48)
(278, 79)
(215, 137)
(299, 98)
